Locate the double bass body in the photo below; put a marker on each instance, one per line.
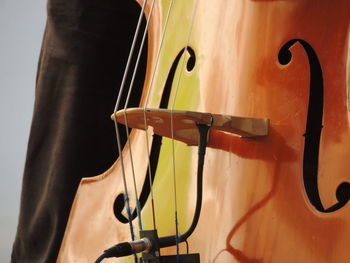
(281, 198)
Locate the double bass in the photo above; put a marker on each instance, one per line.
(239, 149)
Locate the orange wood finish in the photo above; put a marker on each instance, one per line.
(255, 207)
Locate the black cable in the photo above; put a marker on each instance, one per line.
(100, 258)
(125, 249)
(171, 240)
(119, 250)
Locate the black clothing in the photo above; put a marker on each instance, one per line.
(83, 56)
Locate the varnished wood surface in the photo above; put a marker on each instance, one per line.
(255, 208)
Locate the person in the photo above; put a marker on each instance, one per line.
(83, 56)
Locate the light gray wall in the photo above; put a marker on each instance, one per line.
(22, 24)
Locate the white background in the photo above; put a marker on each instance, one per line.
(22, 25)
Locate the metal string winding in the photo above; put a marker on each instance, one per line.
(145, 106)
(138, 205)
(145, 119)
(172, 130)
(126, 195)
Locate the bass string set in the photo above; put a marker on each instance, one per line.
(129, 94)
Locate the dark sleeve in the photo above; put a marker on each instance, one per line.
(84, 52)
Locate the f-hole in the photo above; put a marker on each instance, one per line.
(313, 129)
(119, 204)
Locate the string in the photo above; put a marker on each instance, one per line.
(145, 119)
(147, 99)
(144, 110)
(126, 195)
(172, 130)
(138, 205)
